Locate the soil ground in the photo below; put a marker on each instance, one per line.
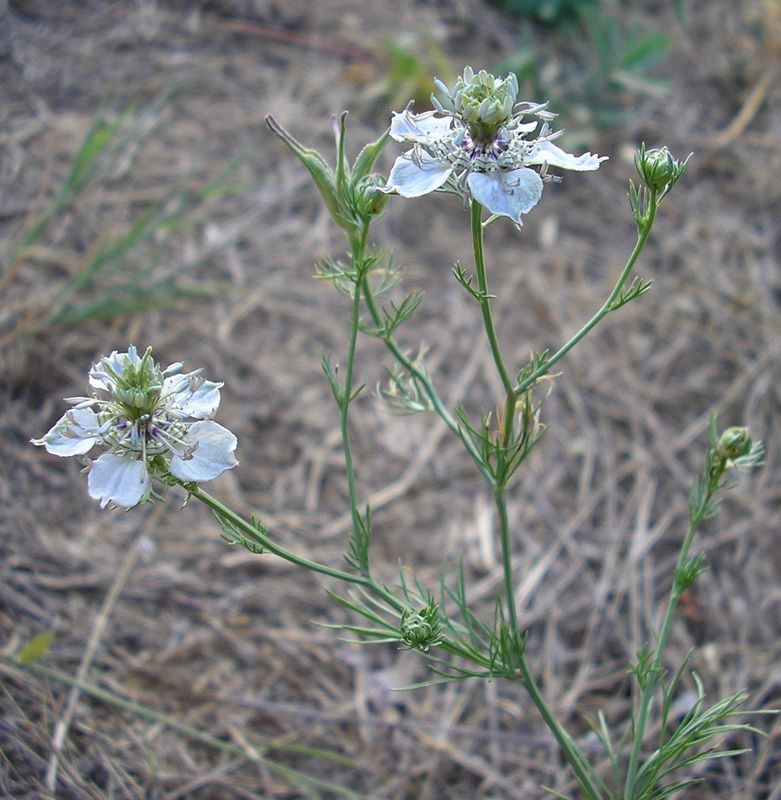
(154, 608)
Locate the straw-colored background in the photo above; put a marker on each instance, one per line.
(228, 642)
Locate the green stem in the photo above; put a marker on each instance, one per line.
(423, 379)
(655, 672)
(368, 583)
(269, 544)
(504, 528)
(357, 258)
(485, 303)
(604, 310)
(509, 409)
(572, 752)
(408, 364)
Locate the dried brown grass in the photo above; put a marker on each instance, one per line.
(228, 642)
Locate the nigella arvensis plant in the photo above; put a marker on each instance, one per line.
(481, 143)
(151, 423)
(494, 152)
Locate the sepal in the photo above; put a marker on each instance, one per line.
(352, 195)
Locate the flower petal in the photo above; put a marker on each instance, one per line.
(74, 433)
(212, 456)
(119, 480)
(423, 128)
(411, 179)
(524, 127)
(100, 375)
(196, 397)
(548, 153)
(507, 194)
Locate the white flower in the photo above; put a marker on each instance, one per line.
(153, 423)
(479, 143)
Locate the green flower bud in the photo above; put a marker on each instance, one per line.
(735, 443)
(658, 169)
(351, 196)
(421, 629)
(369, 200)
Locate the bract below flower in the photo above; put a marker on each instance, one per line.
(481, 144)
(152, 423)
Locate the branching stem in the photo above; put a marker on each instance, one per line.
(407, 363)
(656, 671)
(604, 310)
(268, 544)
(264, 541)
(420, 376)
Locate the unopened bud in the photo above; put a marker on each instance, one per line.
(421, 629)
(369, 200)
(735, 443)
(657, 168)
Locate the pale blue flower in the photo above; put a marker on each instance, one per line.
(153, 423)
(481, 144)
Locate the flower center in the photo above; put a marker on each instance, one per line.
(137, 387)
(149, 434)
(484, 104)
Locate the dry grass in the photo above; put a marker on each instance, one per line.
(227, 642)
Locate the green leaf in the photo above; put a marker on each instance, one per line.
(36, 647)
(97, 140)
(333, 381)
(234, 535)
(368, 156)
(647, 52)
(321, 173)
(357, 556)
(713, 430)
(556, 794)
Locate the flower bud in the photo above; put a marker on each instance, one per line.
(735, 443)
(352, 196)
(369, 199)
(657, 168)
(421, 629)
